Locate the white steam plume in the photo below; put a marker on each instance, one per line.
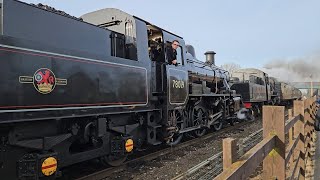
(295, 70)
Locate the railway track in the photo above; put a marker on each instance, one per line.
(212, 166)
(109, 171)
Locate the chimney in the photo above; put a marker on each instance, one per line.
(210, 57)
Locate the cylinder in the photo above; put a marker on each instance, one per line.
(210, 57)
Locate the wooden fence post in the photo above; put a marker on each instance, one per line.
(314, 114)
(307, 127)
(291, 140)
(299, 128)
(229, 152)
(274, 123)
(311, 119)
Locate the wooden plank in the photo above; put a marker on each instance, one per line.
(308, 124)
(291, 137)
(229, 152)
(291, 123)
(298, 174)
(307, 117)
(298, 107)
(274, 123)
(307, 138)
(295, 168)
(247, 164)
(291, 150)
(307, 154)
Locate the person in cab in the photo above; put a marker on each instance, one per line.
(172, 53)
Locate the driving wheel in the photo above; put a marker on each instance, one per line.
(199, 117)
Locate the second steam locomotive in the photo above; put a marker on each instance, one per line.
(258, 89)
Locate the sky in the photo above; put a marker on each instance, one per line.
(250, 33)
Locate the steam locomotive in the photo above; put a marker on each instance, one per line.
(99, 86)
(258, 89)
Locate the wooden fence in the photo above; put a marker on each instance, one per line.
(281, 159)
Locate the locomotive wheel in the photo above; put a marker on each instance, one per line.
(199, 117)
(176, 138)
(232, 122)
(113, 160)
(217, 125)
(251, 115)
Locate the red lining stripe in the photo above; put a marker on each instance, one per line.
(129, 145)
(50, 166)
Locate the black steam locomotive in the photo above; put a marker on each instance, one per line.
(258, 89)
(99, 86)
